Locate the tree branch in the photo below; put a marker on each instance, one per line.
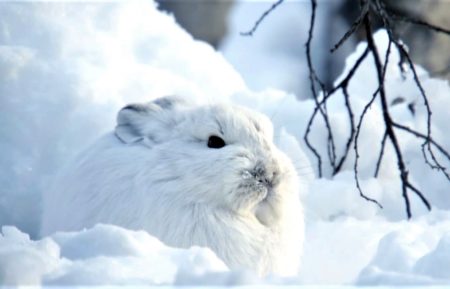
(261, 18)
(386, 116)
(369, 9)
(355, 147)
(380, 155)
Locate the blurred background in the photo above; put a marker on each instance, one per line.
(274, 57)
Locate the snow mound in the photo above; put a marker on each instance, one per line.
(103, 255)
(416, 253)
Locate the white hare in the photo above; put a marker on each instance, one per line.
(189, 175)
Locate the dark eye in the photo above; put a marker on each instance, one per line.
(215, 142)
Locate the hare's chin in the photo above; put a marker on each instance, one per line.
(261, 195)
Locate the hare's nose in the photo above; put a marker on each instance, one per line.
(265, 174)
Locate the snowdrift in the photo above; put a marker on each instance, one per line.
(103, 255)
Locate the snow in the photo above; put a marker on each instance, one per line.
(281, 64)
(414, 253)
(103, 255)
(81, 64)
(67, 68)
(278, 64)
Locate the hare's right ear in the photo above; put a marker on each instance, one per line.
(138, 121)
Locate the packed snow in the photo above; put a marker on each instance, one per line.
(67, 68)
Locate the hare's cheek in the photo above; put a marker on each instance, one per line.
(247, 195)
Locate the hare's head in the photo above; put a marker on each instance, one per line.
(220, 155)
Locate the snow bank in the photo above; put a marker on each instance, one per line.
(66, 69)
(377, 252)
(346, 251)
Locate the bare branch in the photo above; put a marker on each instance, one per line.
(261, 18)
(380, 155)
(389, 123)
(352, 130)
(313, 87)
(431, 141)
(355, 147)
(321, 96)
(353, 28)
(426, 146)
(370, 9)
(422, 136)
(331, 148)
(420, 195)
(350, 74)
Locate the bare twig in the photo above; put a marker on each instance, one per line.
(420, 195)
(313, 78)
(430, 140)
(350, 74)
(353, 28)
(343, 85)
(422, 136)
(380, 155)
(351, 117)
(355, 147)
(261, 18)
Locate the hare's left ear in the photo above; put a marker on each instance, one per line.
(138, 121)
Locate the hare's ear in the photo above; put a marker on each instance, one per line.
(138, 121)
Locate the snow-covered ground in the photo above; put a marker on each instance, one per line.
(67, 68)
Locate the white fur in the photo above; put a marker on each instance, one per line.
(157, 173)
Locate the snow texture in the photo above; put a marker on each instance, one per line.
(103, 255)
(67, 68)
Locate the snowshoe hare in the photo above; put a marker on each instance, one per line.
(190, 175)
